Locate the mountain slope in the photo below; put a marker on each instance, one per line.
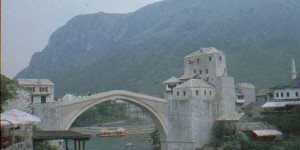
(137, 51)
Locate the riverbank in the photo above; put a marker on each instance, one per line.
(132, 130)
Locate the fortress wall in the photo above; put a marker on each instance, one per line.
(50, 115)
(225, 95)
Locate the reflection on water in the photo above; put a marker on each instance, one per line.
(116, 143)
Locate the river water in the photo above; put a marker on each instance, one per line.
(116, 143)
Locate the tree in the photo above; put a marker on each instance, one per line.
(8, 90)
(288, 123)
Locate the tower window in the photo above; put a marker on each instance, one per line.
(220, 58)
(206, 71)
(287, 94)
(209, 92)
(200, 71)
(207, 79)
(297, 94)
(183, 93)
(195, 71)
(198, 60)
(177, 93)
(197, 92)
(209, 58)
(281, 94)
(204, 92)
(277, 94)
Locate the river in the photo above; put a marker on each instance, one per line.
(117, 143)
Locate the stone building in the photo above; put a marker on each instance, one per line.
(22, 101)
(42, 90)
(201, 96)
(245, 95)
(43, 103)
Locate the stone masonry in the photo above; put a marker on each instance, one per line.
(197, 99)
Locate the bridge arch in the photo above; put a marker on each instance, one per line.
(156, 107)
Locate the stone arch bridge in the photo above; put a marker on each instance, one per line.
(157, 107)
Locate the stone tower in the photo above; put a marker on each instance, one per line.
(293, 72)
(202, 95)
(207, 63)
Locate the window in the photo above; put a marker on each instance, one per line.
(31, 89)
(177, 93)
(209, 92)
(209, 58)
(220, 58)
(206, 71)
(195, 71)
(197, 92)
(198, 60)
(204, 92)
(287, 94)
(297, 94)
(171, 86)
(200, 71)
(43, 99)
(281, 94)
(207, 79)
(240, 97)
(183, 93)
(43, 89)
(277, 94)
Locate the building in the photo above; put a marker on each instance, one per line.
(264, 95)
(42, 90)
(202, 95)
(284, 97)
(287, 92)
(245, 95)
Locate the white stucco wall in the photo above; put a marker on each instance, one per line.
(292, 94)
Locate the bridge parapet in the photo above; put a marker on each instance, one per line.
(115, 92)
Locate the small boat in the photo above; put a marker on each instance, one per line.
(109, 133)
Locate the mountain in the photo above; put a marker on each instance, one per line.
(139, 50)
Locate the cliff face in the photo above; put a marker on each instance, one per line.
(137, 51)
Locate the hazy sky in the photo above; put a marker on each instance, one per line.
(27, 24)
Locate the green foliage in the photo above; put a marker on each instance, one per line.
(45, 145)
(104, 112)
(288, 123)
(155, 136)
(260, 145)
(8, 90)
(222, 133)
(291, 143)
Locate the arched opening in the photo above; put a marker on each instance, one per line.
(158, 119)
